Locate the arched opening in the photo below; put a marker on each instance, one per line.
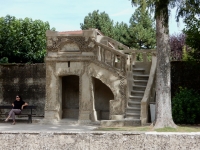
(70, 96)
(102, 97)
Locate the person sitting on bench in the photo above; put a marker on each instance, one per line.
(18, 105)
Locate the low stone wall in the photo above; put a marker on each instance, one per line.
(99, 141)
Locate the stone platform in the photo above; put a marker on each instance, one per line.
(72, 136)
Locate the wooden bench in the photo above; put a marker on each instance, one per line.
(21, 114)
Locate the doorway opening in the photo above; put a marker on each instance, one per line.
(70, 96)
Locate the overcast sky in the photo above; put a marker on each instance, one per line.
(67, 15)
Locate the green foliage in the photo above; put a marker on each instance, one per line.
(121, 33)
(142, 30)
(185, 106)
(189, 55)
(4, 60)
(23, 40)
(140, 34)
(192, 30)
(190, 11)
(100, 21)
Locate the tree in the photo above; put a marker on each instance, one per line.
(121, 33)
(163, 83)
(190, 11)
(22, 40)
(100, 21)
(142, 30)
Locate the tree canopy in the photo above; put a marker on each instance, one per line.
(121, 33)
(139, 34)
(22, 40)
(100, 21)
(142, 30)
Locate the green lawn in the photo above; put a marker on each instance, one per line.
(179, 128)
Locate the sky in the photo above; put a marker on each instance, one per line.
(66, 15)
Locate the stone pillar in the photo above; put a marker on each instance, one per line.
(52, 105)
(94, 112)
(85, 104)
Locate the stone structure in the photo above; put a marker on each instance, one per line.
(99, 140)
(90, 79)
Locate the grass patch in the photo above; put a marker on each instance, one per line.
(150, 129)
(142, 128)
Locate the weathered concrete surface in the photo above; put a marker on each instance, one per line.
(94, 140)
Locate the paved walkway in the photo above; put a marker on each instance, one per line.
(36, 126)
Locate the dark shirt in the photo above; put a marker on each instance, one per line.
(18, 104)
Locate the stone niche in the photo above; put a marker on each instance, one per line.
(102, 96)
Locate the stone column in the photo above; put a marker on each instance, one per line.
(85, 104)
(94, 112)
(51, 104)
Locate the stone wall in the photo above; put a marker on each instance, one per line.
(27, 80)
(99, 141)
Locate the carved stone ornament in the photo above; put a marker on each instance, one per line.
(57, 43)
(69, 46)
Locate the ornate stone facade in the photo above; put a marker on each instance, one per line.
(82, 55)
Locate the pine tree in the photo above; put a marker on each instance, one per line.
(100, 21)
(142, 30)
(121, 33)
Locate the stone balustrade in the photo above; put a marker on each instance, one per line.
(112, 57)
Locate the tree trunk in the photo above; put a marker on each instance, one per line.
(163, 75)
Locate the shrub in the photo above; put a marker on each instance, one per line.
(186, 106)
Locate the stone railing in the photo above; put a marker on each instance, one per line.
(113, 58)
(140, 55)
(137, 56)
(111, 43)
(149, 93)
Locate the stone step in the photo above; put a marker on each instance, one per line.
(133, 115)
(139, 87)
(140, 82)
(140, 77)
(137, 93)
(133, 110)
(134, 103)
(132, 122)
(135, 98)
(138, 71)
(64, 121)
(120, 123)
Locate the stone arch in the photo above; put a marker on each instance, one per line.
(102, 97)
(102, 79)
(114, 82)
